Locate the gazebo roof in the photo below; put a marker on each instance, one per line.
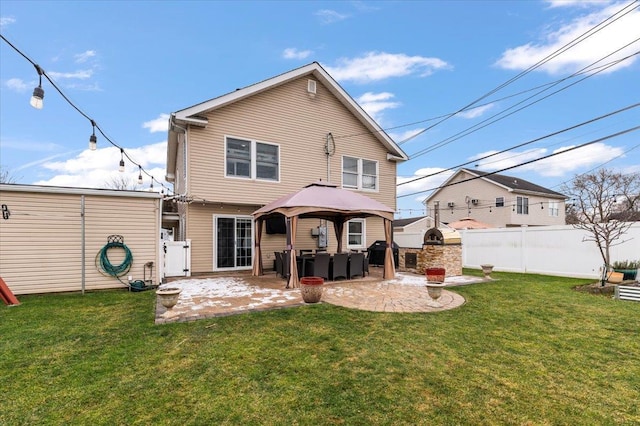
(325, 201)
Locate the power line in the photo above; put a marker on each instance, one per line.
(633, 129)
(525, 143)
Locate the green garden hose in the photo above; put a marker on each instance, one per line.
(107, 268)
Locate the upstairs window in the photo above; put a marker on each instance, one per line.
(522, 204)
(553, 209)
(358, 173)
(252, 160)
(499, 201)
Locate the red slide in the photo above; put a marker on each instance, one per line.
(6, 294)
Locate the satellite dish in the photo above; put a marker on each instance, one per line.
(329, 145)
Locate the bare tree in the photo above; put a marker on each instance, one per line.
(121, 182)
(597, 199)
(6, 176)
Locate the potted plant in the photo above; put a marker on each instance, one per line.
(628, 268)
(168, 296)
(311, 289)
(486, 270)
(435, 274)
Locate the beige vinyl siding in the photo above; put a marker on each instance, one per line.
(486, 210)
(299, 124)
(41, 242)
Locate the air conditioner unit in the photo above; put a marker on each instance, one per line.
(475, 201)
(450, 204)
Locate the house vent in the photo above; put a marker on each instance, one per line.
(475, 201)
(311, 87)
(451, 204)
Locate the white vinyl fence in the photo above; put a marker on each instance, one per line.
(552, 250)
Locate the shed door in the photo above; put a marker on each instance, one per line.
(177, 258)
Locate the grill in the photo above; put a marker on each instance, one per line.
(376, 253)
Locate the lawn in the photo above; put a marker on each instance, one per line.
(524, 349)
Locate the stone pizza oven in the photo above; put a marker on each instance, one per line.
(441, 248)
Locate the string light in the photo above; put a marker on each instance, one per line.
(36, 102)
(93, 140)
(140, 175)
(38, 92)
(121, 168)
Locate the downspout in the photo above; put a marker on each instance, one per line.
(174, 126)
(84, 245)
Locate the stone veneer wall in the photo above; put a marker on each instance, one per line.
(447, 256)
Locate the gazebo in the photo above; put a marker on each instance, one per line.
(321, 200)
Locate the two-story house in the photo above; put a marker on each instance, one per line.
(230, 155)
(498, 200)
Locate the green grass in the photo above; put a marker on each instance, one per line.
(524, 349)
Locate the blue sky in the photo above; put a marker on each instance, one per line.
(129, 64)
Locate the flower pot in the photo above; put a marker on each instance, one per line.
(311, 289)
(434, 290)
(168, 296)
(615, 277)
(627, 274)
(435, 274)
(486, 270)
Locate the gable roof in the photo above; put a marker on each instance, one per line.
(510, 183)
(400, 223)
(194, 115)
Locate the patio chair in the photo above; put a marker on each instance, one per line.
(278, 256)
(356, 262)
(340, 264)
(321, 265)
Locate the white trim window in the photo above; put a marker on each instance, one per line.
(499, 201)
(250, 159)
(358, 173)
(554, 209)
(522, 204)
(356, 234)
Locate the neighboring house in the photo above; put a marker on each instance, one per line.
(498, 200)
(409, 232)
(233, 154)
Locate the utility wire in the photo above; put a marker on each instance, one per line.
(91, 121)
(633, 129)
(502, 114)
(525, 143)
(538, 64)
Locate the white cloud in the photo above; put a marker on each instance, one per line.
(475, 112)
(293, 53)
(559, 165)
(6, 20)
(328, 16)
(574, 3)
(374, 66)
(84, 56)
(607, 40)
(79, 74)
(17, 84)
(405, 136)
(424, 184)
(375, 103)
(95, 169)
(160, 124)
